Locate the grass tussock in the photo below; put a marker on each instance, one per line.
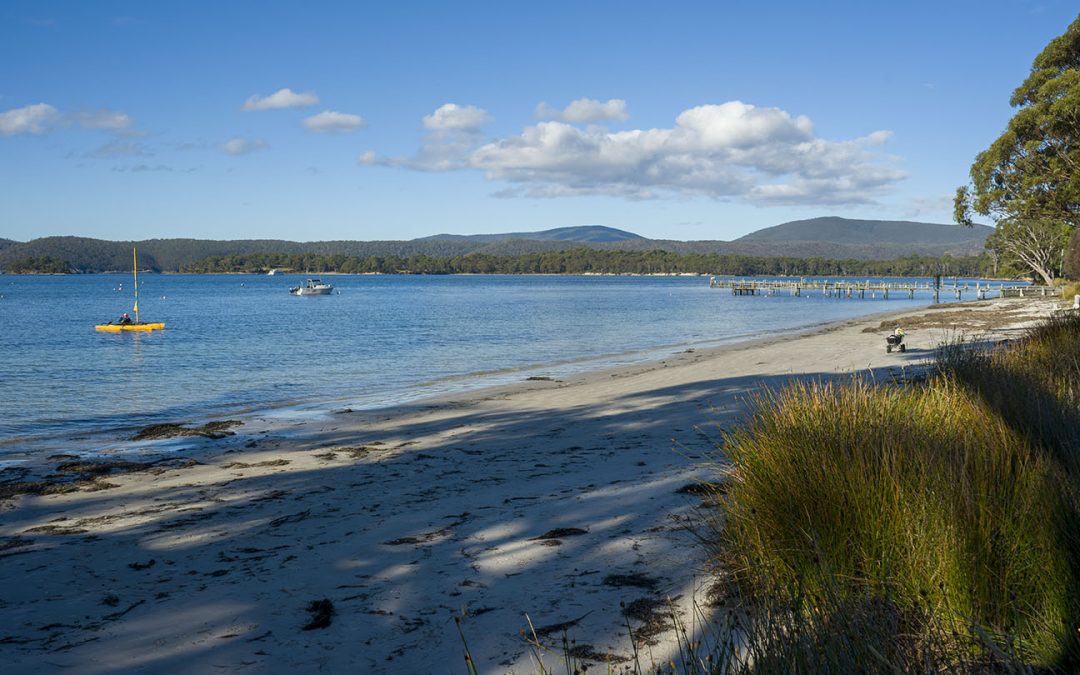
(915, 528)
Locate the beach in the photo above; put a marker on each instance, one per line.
(350, 541)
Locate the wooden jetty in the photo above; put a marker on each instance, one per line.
(879, 289)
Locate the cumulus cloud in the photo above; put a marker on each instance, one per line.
(453, 117)
(39, 118)
(329, 121)
(105, 120)
(453, 132)
(282, 98)
(732, 150)
(585, 111)
(42, 118)
(242, 146)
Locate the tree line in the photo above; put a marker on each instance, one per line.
(41, 265)
(593, 261)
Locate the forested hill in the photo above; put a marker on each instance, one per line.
(832, 229)
(831, 238)
(172, 255)
(584, 233)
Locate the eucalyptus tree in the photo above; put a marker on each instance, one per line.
(1028, 180)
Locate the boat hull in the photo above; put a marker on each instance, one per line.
(125, 327)
(311, 291)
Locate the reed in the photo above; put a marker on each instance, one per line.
(895, 523)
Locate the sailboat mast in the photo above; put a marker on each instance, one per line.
(135, 260)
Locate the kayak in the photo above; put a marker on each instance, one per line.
(127, 324)
(118, 327)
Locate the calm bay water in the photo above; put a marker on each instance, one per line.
(240, 343)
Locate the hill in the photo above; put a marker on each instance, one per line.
(584, 233)
(833, 229)
(831, 238)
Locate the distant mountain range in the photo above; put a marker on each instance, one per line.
(869, 232)
(829, 237)
(584, 233)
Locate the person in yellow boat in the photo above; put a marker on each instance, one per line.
(124, 319)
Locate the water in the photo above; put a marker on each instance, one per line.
(242, 343)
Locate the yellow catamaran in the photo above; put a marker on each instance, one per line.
(120, 326)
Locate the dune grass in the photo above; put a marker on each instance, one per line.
(917, 527)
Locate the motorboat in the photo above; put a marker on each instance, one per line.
(313, 287)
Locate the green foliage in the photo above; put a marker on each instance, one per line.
(1028, 180)
(594, 261)
(817, 238)
(950, 508)
(42, 265)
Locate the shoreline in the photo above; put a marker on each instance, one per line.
(108, 441)
(557, 498)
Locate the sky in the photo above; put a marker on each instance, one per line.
(372, 121)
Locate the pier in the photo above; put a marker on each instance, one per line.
(881, 289)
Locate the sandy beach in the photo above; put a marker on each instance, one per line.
(557, 499)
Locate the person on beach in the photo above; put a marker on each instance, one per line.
(124, 319)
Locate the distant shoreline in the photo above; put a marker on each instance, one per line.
(506, 274)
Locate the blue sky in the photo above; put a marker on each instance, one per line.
(328, 120)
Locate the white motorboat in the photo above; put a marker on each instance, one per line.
(313, 287)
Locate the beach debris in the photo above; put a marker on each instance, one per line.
(214, 430)
(110, 600)
(424, 538)
(560, 532)
(322, 612)
(56, 529)
(87, 469)
(292, 518)
(247, 465)
(137, 566)
(9, 543)
(702, 489)
(587, 652)
(635, 579)
(544, 631)
(116, 615)
(86, 475)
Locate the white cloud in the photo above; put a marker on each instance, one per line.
(329, 121)
(42, 118)
(282, 98)
(39, 118)
(585, 111)
(453, 117)
(938, 206)
(105, 120)
(728, 151)
(241, 146)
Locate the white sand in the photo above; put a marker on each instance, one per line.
(406, 518)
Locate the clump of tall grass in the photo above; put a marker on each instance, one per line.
(1033, 384)
(904, 521)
